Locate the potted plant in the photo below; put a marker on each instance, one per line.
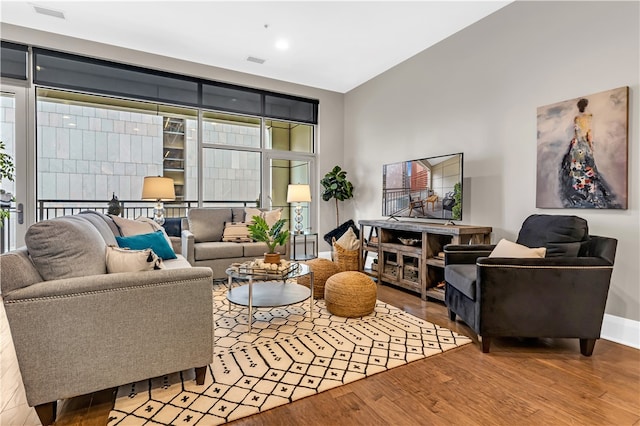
(336, 186)
(273, 236)
(6, 172)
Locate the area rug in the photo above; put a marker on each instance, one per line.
(287, 357)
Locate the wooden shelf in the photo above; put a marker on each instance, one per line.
(415, 268)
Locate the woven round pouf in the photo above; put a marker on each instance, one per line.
(350, 294)
(322, 270)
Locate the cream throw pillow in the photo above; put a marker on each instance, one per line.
(349, 240)
(125, 260)
(506, 248)
(271, 216)
(236, 232)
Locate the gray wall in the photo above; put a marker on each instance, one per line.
(477, 92)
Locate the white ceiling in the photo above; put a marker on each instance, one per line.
(334, 45)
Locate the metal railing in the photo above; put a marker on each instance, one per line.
(131, 209)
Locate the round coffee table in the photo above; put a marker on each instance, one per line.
(274, 292)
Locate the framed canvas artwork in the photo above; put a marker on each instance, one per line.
(583, 152)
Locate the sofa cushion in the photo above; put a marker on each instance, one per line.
(207, 225)
(337, 233)
(66, 247)
(156, 241)
(349, 240)
(17, 271)
(258, 249)
(238, 214)
(217, 250)
(104, 224)
(463, 278)
(562, 235)
(506, 248)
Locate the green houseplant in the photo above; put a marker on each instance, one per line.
(456, 211)
(273, 236)
(7, 170)
(336, 186)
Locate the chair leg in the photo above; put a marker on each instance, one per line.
(200, 372)
(452, 315)
(586, 346)
(486, 343)
(47, 412)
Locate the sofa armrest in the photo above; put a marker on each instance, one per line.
(466, 254)
(188, 246)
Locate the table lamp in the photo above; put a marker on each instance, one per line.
(298, 193)
(158, 189)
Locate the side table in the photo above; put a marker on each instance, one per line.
(306, 239)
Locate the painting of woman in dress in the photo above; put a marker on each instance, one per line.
(583, 164)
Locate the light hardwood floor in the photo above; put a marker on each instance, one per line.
(521, 382)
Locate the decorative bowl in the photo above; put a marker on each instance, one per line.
(409, 241)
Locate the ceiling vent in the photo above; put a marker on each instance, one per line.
(256, 60)
(49, 12)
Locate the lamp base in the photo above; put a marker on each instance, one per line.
(158, 213)
(298, 219)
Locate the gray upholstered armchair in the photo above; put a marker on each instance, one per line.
(562, 295)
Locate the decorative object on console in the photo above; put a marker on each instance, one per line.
(409, 241)
(298, 193)
(273, 236)
(158, 189)
(336, 186)
(588, 170)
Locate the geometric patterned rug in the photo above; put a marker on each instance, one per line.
(287, 357)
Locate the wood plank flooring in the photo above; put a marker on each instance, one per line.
(521, 382)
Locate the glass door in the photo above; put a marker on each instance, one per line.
(15, 199)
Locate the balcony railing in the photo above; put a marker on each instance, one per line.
(48, 209)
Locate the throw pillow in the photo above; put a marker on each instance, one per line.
(154, 241)
(506, 248)
(125, 260)
(349, 240)
(236, 232)
(141, 225)
(271, 216)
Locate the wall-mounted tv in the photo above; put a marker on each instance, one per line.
(426, 188)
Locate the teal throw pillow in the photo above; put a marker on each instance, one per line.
(155, 241)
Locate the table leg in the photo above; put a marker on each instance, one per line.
(311, 299)
(229, 291)
(250, 303)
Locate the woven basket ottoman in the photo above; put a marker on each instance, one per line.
(322, 270)
(350, 294)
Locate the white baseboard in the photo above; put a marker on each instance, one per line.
(621, 330)
(617, 329)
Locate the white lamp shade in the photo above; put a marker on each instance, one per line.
(158, 188)
(297, 193)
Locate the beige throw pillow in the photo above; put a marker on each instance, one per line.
(506, 248)
(349, 240)
(125, 260)
(271, 216)
(236, 232)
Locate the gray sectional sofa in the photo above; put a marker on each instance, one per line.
(78, 329)
(202, 244)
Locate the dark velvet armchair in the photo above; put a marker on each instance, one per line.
(560, 296)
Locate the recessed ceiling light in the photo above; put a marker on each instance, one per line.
(282, 44)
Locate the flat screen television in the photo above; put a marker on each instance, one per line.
(425, 188)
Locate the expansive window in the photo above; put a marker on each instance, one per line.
(91, 147)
